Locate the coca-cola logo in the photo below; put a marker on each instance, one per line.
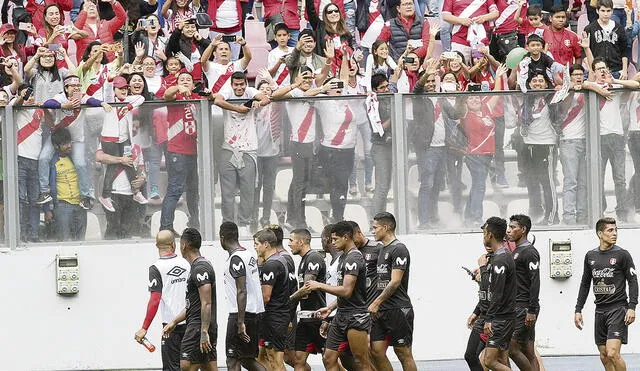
(602, 273)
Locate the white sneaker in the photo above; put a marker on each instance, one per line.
(139, 198)
(107, 204)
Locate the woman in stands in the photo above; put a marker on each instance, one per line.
(44, 73)
(98, 29)
(331, 29)
(176, 11)
(9, 47)
(153, 42)
(379, 61)
(188, 45)
(53, 32)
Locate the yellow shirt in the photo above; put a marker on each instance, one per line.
(67, 181)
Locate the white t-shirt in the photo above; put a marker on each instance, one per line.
(243, 263)
(332, 276)
(268, 120)
(153, 83)
(574, 125)
(218, 73)
(282, 76)
(338, 124)
(302, 116)
(29, 131)
(239, 128)
(437, 140)
(540, 130)
(122, 184)
(634, 114)
(227, 15)
(610, 117)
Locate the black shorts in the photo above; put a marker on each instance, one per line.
(190, 347)
(343, 322)
(502, 334)
(609, 324)
(478, 327)
(170, 348)
(393, 325)
(521, 333)
(235, 347)
(308, 337)
(274, 328)
(291, 334)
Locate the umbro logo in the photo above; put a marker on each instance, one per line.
(238, 266)
(313, 266)
(203, 276)
(176, 271)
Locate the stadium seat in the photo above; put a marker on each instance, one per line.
(358, 214)
(283, 180)
(259, 57)
(257, 41)
(634, 52)
(94, 232)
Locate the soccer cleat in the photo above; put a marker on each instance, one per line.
(106, 203)
(139, 198)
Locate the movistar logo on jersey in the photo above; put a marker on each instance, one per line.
(533, 266)
(238, 266)
(292, 276)
(202, 277)
(400, 261)
(632, 271)
(313, 266)
(269, 276)
(351, 266)
(499, 270)
(153, 282)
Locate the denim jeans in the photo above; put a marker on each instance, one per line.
(478, 166)
(539, 173)
(382, 155)
(301, 160)
(267, 170)
(71, 221)
(78, 156)
(455, 160)
(232, 179)
(634, 184)
(573, 155)
(182, 177)
(152, 160)
(612, 150)
(431, 169)
(365, 136)
(350, 16)
(28, 191)
(445, 35)
(337, 164)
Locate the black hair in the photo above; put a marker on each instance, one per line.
(522, 220)
(145, 90)
(497, 227)
(192, 238)
(23, 86)
(55, 74)
(87, 52)
(534, 10)
(601, 223)
(60, 137)
(266, 235)
(326, 231)
(354, 225)
(386, 218)
(303, 234)
(307, 32)
(238, 75)
(604, 3)
(277, 230)
(342, 229)
(597, 60)
(534, 74)
(557, 9)
(229, 231)
(576, 67)
(534, 38)
(377, 79)
(280, 27)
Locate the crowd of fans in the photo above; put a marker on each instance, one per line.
(60, 55)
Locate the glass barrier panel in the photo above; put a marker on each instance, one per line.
(105, 174)
(299, 163)
(472, 156)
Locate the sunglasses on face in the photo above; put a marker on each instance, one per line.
(332, 11)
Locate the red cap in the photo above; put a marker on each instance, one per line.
(120, 82)
(7, 27)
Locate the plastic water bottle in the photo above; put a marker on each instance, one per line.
(147, 344)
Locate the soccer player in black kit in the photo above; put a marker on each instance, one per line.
(312, 267)
(527, 259)
(499, 321)
(391, 310)
(351, 323)
(475, 323)
(370, 249)
(610, 268)
(274, 277)
(198, 349)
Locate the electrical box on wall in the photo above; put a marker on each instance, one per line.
(67, 275)
(560, 259)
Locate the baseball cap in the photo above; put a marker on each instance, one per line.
(120, 82)
(7, 27)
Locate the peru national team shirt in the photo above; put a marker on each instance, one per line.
(219, 75)
(352, 264)
(240, 128)
(312, 263)
(466, 9)
(394, 256)
(338, 124)
(201, 274)
(29, 131)
(564, 46)
(302, 116)
(274, 273)
(480, 129)
(182, 132)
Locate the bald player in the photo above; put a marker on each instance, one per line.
(167, 285)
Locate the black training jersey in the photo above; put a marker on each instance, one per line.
(352, 263)
(610, 271)
(502, 286)
(293, 279)
(483, 297)
(527, 261)
(370, 251)
(313, 263)
(394, 256)
(201, 274)
(275, 274)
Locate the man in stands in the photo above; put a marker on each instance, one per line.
(408, 28)
(462, 15)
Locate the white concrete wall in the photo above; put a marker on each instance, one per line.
(94, 330)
